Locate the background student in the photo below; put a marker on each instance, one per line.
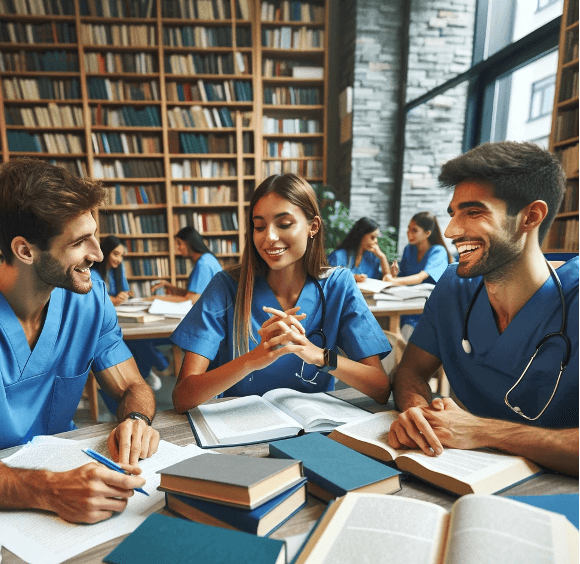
(55, 325)
(150, 361)
(190, 244)
(277, 319)
(425, 259)
(360, 251)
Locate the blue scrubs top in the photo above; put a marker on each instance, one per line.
(40, 390)
(203, 271)
(434, 263)
(369, 264)
(482, 378)
(207, 330)
(111, 280)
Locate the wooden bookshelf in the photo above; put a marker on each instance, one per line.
(180, 107)
(563, 235)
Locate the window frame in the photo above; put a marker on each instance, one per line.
(542, 92)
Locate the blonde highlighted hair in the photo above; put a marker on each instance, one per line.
(298, 192)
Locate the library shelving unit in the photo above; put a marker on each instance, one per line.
(563, 235)
(179, 107)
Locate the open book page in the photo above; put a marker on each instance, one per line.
(44, 538)
(241, 420)
(315, 412)
(491, 529)
(170, 309)
(380, 529)
(372, 286)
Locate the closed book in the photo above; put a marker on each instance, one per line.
(241, 481)
(333, 469)
(260, 521)
(166, 540)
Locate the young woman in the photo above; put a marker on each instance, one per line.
(277, 319)
(360, 251)
(190, 244)
(425, 259)
(150, 361)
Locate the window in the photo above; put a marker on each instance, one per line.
(542, 97)
(545, 3)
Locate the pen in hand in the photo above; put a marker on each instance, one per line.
(110, 464)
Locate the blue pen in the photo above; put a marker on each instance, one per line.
(109, 464)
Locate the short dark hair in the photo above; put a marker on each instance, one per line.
(37, 199)
(519, 172)
(351, 242)
(192, 237)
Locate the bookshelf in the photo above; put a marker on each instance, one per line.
(179, 107)
(563, 235)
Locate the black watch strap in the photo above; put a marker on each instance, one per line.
(137, 415)
(330, 361)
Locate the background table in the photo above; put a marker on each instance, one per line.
(175, 428)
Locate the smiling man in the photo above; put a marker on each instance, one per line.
(494, 311)
(54, 327)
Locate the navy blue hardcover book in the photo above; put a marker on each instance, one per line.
(333, 469)
(166, 540)
(260, 521)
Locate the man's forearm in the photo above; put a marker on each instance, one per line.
(20, 488)
(138, 397)
(554, 448)
(410, 390)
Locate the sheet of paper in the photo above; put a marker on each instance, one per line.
(44, 538)
(170, 309)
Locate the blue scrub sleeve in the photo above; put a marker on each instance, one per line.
(337, 258)
(124, 281)
(199, 278)
(437, 262)
(375, 264)
(205, 326)
(404, 263)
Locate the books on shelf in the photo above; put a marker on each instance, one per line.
(278, 413)
(236, 480)
(481, 471)
(333, 469)
(165, 540)
(358, 527)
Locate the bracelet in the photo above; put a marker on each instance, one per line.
(137, 415)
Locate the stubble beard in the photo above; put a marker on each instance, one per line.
(51, 273)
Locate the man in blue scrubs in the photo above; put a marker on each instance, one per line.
(55, 325)
(504, 200)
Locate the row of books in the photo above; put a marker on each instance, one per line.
(128, 168)
(147, 116)
(203, 168)
(127, 143)
(38, 7)
(144, 245)
(289, 95)
(566, 125)
(198, 36)
(570, 201)
(292, 149)
(75, 166)
(41, 88)
(306, 169)
(157, 266)
(140, 289)
(292, 11)
(44, 143)
(563, 235)
(18, 61)
(129, 223)
(119, 34)
(118, 195)
(141, 63)
(53, 32)
(49, 115)
(122, 90)
(210, 63)
(200, 91)
(192, 194)
(207, 221)
(189, 142)
(569, 160)
(571, 46)
(568, 84)
(196, 116)
(291, 38)
(296, 69)
(118, 8)
(197, 9)
(221, 246)
(289, 125)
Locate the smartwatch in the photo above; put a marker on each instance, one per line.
(330, 361)
(137, 415)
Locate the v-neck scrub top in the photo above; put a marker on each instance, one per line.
(40, 390)
(112, 280)
(207, 330)
(369, 264)
(203, 271)
(481, 378)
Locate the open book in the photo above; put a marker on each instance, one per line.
(481, 471)
(372, 286)
(396, 530)
(278, 414)
(405, 292)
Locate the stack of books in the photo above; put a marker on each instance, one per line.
(245, 493)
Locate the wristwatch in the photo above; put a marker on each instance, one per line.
(330, 361)
(137, 415)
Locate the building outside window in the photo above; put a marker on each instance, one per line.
(542, 97)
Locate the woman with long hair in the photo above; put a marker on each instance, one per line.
(277, 319)
(360, 251)
(191, 245)
(111, 271)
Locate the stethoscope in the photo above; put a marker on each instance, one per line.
(467, 345)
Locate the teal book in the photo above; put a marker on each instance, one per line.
(565, 504)
(333, 469)
(166, 540)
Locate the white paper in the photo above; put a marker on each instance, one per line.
(170, 309)
(44, 538)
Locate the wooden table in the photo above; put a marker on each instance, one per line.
(175, 428)
(391, 311)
